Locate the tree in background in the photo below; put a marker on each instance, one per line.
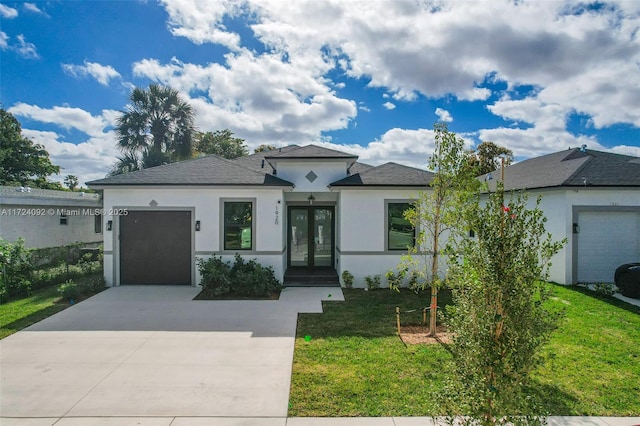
(436, 211)
(499, 318)
(71, 181)
(264, 148)
(157, 128)
(487, 157)
(221, 143)
(21, 161)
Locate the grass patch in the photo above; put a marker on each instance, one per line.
(19, 314)
(355, 365)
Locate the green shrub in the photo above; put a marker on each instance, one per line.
(395, 280)
(69, 290)
(243, 278)
(373, 282)
(93, 285)
(604, 289)
(252, 279)
(15, 270)
(347, 279)
(216, 276)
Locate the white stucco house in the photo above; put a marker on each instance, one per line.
(592, 199)
(307, 211)
(311, 213)
(47, 218)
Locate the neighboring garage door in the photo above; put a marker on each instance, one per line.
(155, 247)
(606, 240)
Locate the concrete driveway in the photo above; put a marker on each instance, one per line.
(152, 351)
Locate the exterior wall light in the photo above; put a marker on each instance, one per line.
(576, 228)
(109, 225)
(311, 198)
(197, 225)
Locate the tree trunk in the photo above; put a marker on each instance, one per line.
(434, 275)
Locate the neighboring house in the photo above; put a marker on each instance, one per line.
(592, 199)
(47, 218)
(309, 212)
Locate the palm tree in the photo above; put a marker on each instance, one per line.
(156, 128)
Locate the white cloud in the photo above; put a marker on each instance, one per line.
(389, 105)
(25, 49)
(32, 7)
(201, 22)
(262, 98)
(67, 117)
(4, 40)
(90, 159)
(411, 48)
(102, 73)
(8, 12)
(443, 115)
(475, 94)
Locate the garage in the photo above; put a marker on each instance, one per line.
(606, 240)
(155, 247)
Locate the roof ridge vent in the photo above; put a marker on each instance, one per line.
(583, 148)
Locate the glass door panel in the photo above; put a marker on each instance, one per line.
(299, 237)
(323, 236)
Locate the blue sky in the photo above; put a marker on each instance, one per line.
(368, 77)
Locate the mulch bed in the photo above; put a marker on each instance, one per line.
(419, 335)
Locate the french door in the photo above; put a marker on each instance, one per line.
(310, 237)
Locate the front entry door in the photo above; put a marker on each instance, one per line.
(311, 239)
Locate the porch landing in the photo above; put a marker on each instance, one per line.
(311, 278)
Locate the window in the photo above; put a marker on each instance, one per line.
(400, 233)
(64, 220)
(97, 224)
(238, 232)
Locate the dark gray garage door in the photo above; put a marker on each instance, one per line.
(155, 247)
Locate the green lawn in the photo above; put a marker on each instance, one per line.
(18, 314)
(355, 365)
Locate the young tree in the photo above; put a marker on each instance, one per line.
(487, 157)
(71, 181)
(221, 143)
(156, 128)
(21, 161)
(436, 211)
(499, 319)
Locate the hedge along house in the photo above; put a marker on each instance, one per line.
(309, 212)
(592, 199)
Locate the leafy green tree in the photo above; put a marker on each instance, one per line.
(71, 181)
(21, 161)
(264, 148)
(157, 128)
(487, 157)
(435, 215)
(499, 318)
(221, 143)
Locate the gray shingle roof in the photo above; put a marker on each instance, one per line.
(37, 196)
(571, 168)
(309, 152)
(389, 174)
(209, 170)
(359, 167)
(254, 161)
